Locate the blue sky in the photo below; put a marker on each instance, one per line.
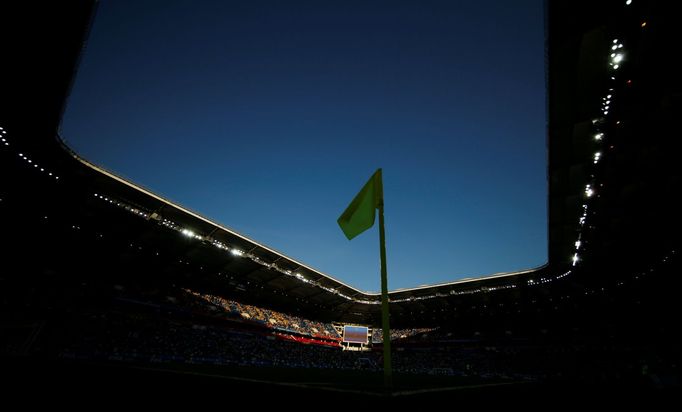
(268, 117)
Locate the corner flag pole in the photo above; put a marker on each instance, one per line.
(358, 217)
(388, 372)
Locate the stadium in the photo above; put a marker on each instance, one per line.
(103, 280)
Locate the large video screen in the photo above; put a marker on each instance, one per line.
(355, 334)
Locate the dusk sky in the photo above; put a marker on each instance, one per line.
(269, 116)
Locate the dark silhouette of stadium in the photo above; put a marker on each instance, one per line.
(103, 281)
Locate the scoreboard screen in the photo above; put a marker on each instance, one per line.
(355, 334)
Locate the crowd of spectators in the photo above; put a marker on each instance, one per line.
(378, 337)
(185, 327)
(118, 336)
(148, 338)
(270, 318)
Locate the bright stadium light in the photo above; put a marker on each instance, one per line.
(237, 252)
(598, 136)
(575, 259)
(618, 58)
(589, 191)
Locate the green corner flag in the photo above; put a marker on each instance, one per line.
(359, 215)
